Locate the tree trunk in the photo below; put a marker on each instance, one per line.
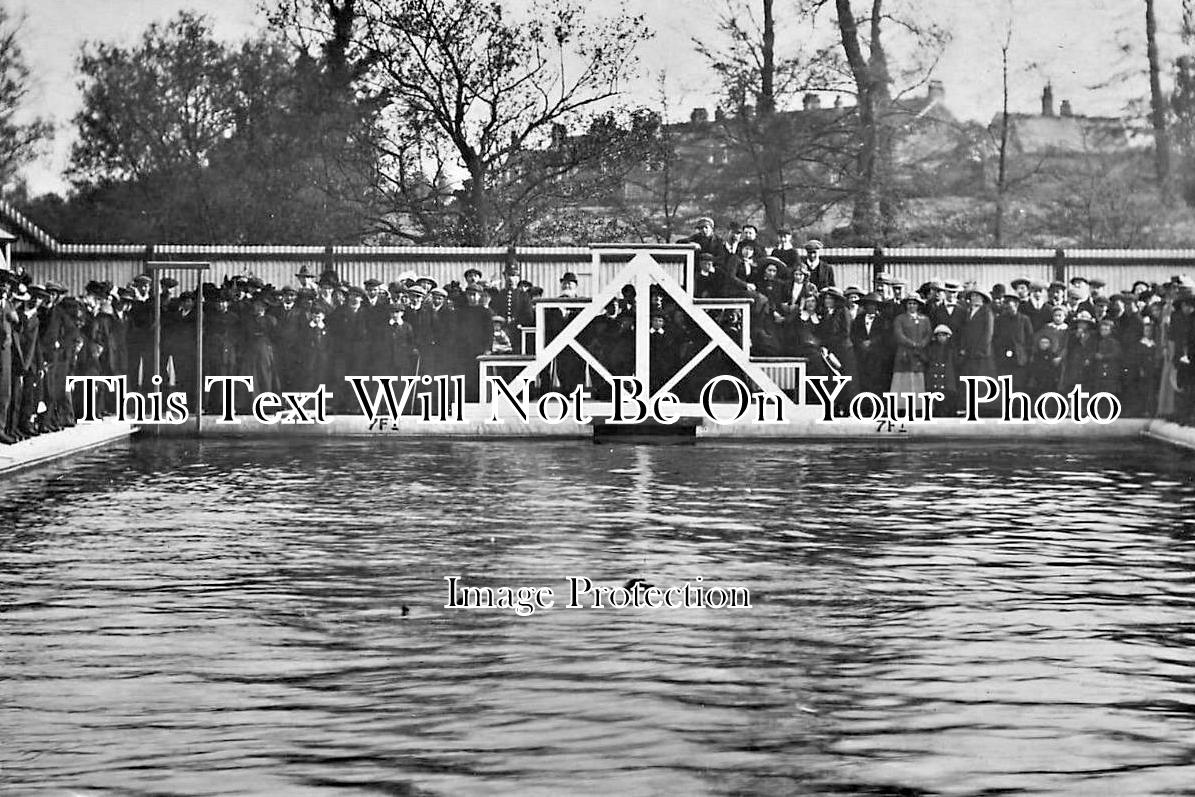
(477, 206)
(1157, 103)
(1002, 168)
(767, 88)
(770, 141)
(872, 204)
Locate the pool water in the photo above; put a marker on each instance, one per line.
(236, 616)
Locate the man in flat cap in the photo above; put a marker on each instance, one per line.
(707, 242)
(820, 273)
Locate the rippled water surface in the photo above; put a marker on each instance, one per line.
(228, 617)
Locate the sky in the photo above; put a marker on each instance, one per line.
(1077, 45)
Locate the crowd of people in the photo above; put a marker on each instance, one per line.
(1137, 344)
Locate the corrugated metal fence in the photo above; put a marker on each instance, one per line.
(75, 264)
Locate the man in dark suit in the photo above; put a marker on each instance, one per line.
(514, 305)
(872, 341)
(569, 367)
(288, 333)
(1037, 307)
(1012, 341)
(708, 281)
(944, 307)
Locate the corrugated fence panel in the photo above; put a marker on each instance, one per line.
(1121, 277)
(76, 264)
(75, 274)
(853, 275)
(983, 276)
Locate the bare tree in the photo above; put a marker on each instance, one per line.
(785, 164)
(876, 114)
(481, 94)
(18, 141)
(1002, 158)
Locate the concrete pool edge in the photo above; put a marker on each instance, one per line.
(806, 428)
(47, 448)
(55, 445)
(1170, 432)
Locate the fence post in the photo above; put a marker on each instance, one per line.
(330, 260)
(1059, 266)
(877, 268)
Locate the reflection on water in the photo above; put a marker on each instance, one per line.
(227, 617)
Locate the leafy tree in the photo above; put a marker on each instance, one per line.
(187, 139)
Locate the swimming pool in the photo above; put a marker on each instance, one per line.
(268, 617)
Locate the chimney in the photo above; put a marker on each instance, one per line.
(837, 100)
(1047, 100)
(812, 101)
(699, 116)
(719, 114)
(1065, 109)
(559, 135)
(936, 91)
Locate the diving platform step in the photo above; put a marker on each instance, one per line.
(684, 431)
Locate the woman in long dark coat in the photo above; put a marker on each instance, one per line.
(317, 350)
(834, 333)
(1079, 358)
(402, 354)
(257, 353)
(975, 336)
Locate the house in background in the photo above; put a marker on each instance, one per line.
(714, 165)
(1056, 138)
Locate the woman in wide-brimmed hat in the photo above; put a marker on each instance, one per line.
(834, 332)
(974, 340)
(911, 331)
